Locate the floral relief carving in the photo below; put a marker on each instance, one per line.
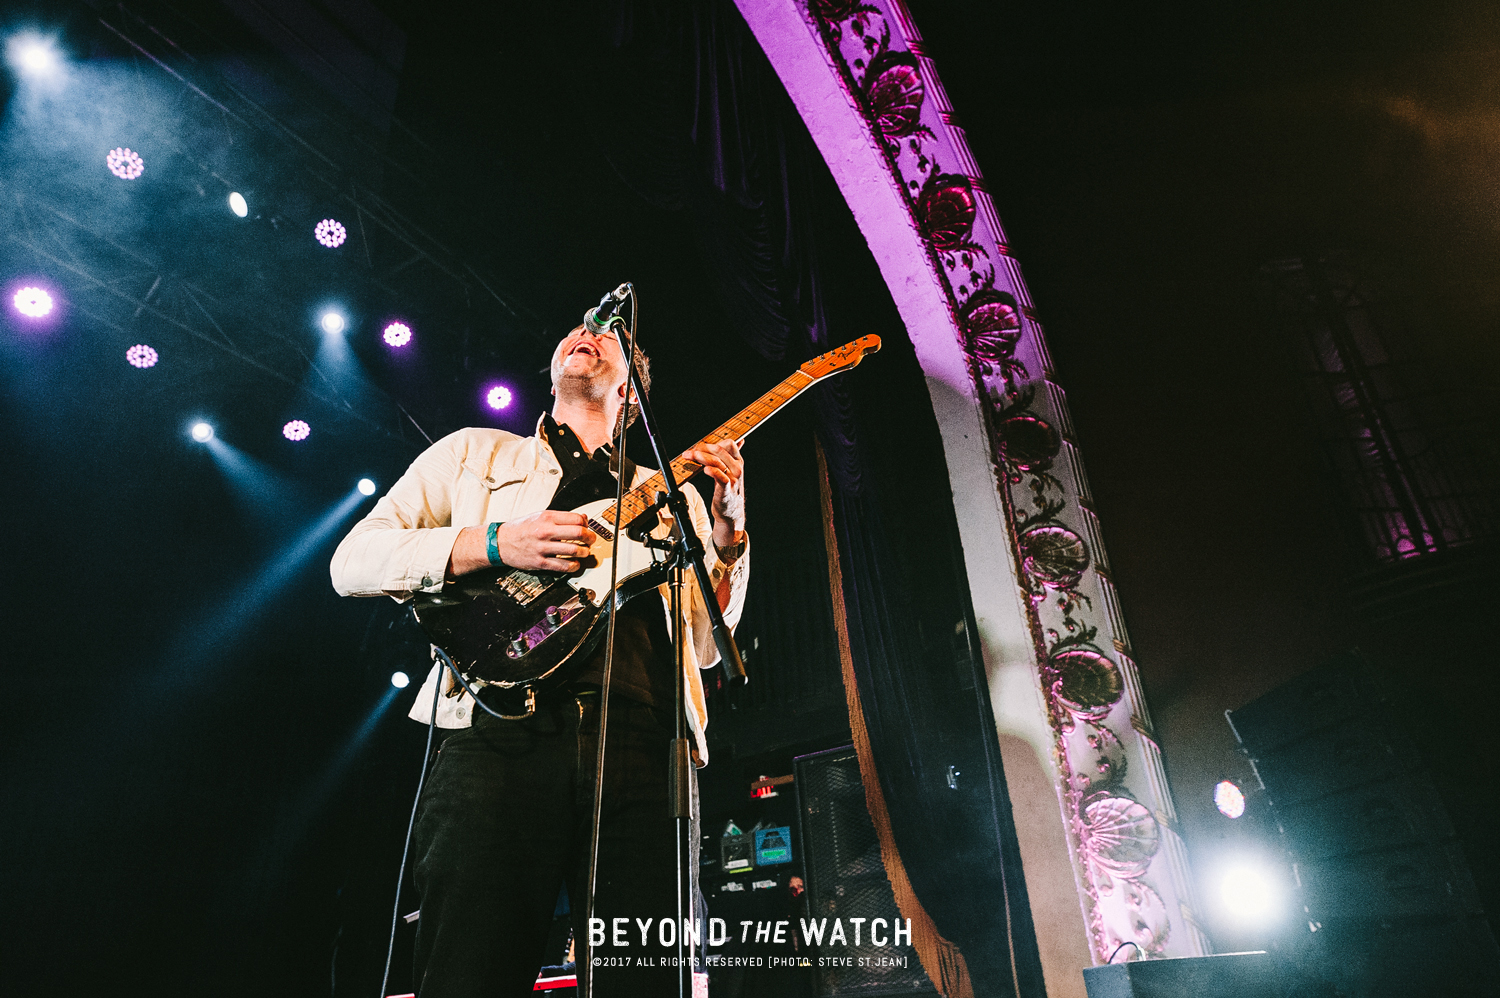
(1129, 910)
(1120, 835)
(945, 209)
(1100, 762)
(894, 92)
(834, 13)
(1054, 556)
(1086, 682)
(1028, 443)
(992, 329)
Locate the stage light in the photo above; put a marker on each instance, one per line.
(33, 55)
(141, 356)
(297, 429)
(498, 397)
(202, 432)
(1228, 799)
(332, 322)
(397, 334)
(125, 164)
(1247, 893)
(400, 680)
(32, 302)
(237, 204)
(366, 487)
(330, 233)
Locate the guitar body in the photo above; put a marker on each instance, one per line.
(510, 627)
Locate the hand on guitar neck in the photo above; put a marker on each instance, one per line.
(722, 462)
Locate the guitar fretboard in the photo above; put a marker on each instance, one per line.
(640, 498)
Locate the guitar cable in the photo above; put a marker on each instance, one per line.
(406, 845)
(411, 823)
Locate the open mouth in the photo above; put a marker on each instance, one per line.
(583, 348)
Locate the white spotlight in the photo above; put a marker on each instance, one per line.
(33, 55)
(400, 680)
(1228, 799)
(366, 487)
(202, 431)
(237, 204)
(332, 322)
(1248, 893)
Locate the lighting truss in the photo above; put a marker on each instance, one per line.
(119, 285)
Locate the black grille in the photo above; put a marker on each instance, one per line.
(846, 879)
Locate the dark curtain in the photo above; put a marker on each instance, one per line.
(694, 119)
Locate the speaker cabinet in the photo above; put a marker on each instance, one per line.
(1376, 861)
(846, 879)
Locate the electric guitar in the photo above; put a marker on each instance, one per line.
(514, 628)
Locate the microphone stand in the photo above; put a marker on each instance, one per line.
(685, 550)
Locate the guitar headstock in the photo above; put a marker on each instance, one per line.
(842, 359)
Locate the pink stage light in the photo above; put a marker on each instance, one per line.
(397, 334)
(125, 164)
(297, 429)
(330, 233)
(498, 397)
(1229, 800)
(141, 356)
(32, 302)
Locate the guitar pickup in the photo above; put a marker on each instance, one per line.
(553, 619)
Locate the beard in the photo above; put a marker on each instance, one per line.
(590, 388)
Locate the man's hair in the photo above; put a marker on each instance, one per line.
(642, 365)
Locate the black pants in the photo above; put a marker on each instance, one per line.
(505, 820)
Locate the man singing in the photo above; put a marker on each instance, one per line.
(507, 811)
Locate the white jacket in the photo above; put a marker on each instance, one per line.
(477, 476)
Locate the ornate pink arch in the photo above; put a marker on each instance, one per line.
(1093, 809)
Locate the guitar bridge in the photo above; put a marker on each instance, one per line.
(523, 587)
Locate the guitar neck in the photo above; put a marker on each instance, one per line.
(641, 498)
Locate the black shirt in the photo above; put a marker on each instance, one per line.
(642, 668)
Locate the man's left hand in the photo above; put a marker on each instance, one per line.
(723, 463)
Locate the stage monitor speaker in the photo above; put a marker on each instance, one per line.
(1228, 975)
(846, 879)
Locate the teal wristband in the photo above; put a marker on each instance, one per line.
(492, 543)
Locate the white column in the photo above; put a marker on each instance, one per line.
(1105, 866)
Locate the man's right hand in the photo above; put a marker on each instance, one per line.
(554, 540)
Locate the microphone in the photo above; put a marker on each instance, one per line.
(598, 319)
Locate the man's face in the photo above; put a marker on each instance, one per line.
(588, 365)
